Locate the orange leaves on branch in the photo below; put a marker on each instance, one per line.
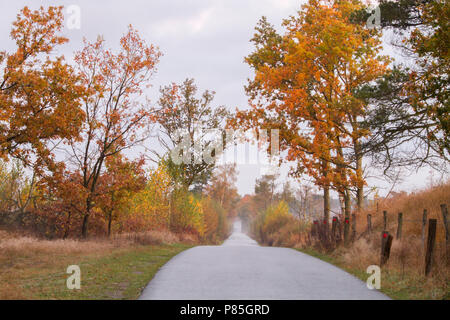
(115, 83)
(117, 116)
(37, 32)
(39, 96)
(308, 90)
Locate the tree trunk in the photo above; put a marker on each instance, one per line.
(326, 206)
(347, 210)
(66, 231)
(109, 224)
(359, 175)
(85, 226)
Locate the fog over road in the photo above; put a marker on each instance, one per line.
(241, 270)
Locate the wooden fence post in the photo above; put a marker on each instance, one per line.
(445, 217)
(338, 230)
(384, 220)
(346, 228)
(447, 236)
(424, 225)
(399, 225)
(369, 224)
(430, 245)
(386, 243)
(326, 229)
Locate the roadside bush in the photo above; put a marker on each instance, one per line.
(276, 226)
(216, 222)
(186, 214)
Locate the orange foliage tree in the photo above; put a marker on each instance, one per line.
(117, 184)
(304, 85)
(117, 118)
(39, 96)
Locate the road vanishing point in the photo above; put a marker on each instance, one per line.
(240, 269)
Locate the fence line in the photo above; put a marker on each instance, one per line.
(330, 239)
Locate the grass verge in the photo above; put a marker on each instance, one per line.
(114, 273)
(394, 284)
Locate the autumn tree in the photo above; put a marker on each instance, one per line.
(190, 127)
(150, 208)
(16, 188)
(290, 195)
(117, 116)
(304, 203)
(216, 222)
(61, 201)
(117, 185)
(265, 191)
(40, 95)
(304, 85)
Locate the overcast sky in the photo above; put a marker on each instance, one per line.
(202, 39)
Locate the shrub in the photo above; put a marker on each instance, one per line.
(276, 217)
(216, 222)
(186, 213)
(276, 226)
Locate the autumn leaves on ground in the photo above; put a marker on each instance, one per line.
(89, 178)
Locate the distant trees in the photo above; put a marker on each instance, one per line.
(265, 191)
(222, 188)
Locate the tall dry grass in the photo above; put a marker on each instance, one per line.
(412, 206)
(407, 253)
(406, 264)
(11, 243)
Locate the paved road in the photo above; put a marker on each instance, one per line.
(242, 270)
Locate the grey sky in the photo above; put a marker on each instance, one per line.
(205, 40)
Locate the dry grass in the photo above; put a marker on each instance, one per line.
(408, 254)
(23, 259)
(403, 275)
(35, 246)
(155, 237)
(412, 206)
(404, 272)
(12, 242)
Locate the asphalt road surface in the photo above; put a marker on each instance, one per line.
(241, 270)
